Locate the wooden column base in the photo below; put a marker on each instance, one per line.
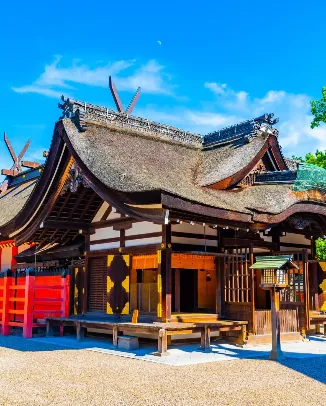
(162, 349)
(276, 355)
(115, 334)
(205, 339)
(80, 331)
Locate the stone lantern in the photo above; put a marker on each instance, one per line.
(274, 278)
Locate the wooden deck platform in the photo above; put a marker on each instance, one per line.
(163, 331)
(317, 319)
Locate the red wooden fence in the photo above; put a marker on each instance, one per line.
(26, 299)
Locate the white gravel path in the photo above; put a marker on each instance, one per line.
(34, 373)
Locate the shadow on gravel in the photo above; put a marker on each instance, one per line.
(313, 367)
(311, 364)
(20, 344)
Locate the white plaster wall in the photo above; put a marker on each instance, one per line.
(144, 241)
(103, 233)
(295, 238)
(144, 227)
(106, 246)
(194, 229)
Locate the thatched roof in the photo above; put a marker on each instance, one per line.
(129, 155)
(128, 161)
(228, 159)
(13, 200)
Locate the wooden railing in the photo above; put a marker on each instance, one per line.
(288, 320)
(27, 300)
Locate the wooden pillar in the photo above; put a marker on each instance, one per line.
(115, 333)
(306, 289)
(313, 247)
(314, 270)
(253, 308)
(84, 295)
(220, 284)
(220, 276)
(162, 349)
(7, 282)
(177, 290)
(80, 331)
(276, 353)
(205, 339)
(276, 233)
(159, 285)
(29, 303)
(65, 295)
(166, 275)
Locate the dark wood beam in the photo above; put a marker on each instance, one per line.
(113, 222)
(237, 242)
(107, 213)
(66, 225)
(143, 249)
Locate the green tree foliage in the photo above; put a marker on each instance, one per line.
(318, 158)
(318, 109)
(321, 249)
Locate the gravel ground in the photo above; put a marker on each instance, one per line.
(37, 374)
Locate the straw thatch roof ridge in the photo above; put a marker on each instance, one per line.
(128, 163)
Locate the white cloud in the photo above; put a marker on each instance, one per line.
(295, 134)
(215, 87)
(56, 79)
(150, 77)
(229, 107)
(45, 91)
(273, 96)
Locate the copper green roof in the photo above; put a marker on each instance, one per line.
(274, 262)
(310, 177)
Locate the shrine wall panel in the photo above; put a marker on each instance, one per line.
(196, 234)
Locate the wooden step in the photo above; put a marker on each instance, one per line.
(193, 317)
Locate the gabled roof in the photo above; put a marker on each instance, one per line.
(129, 162)
(143, 168)
(274, 262)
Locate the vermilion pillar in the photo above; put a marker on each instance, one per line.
(29, 302)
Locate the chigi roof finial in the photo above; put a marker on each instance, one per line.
(16, 169)
(117, 99)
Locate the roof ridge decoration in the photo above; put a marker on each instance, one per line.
(16, 169)
(81, 112)
(248, 130)
(117, 100)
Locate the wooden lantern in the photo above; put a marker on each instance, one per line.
(274, 278)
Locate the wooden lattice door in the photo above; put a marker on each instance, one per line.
(97, 284)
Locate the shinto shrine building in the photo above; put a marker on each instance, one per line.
(147, 217)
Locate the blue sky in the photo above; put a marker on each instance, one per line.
(217, 63)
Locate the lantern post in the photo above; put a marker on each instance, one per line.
(275, 278)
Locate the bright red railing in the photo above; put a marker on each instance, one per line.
(27, 299)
